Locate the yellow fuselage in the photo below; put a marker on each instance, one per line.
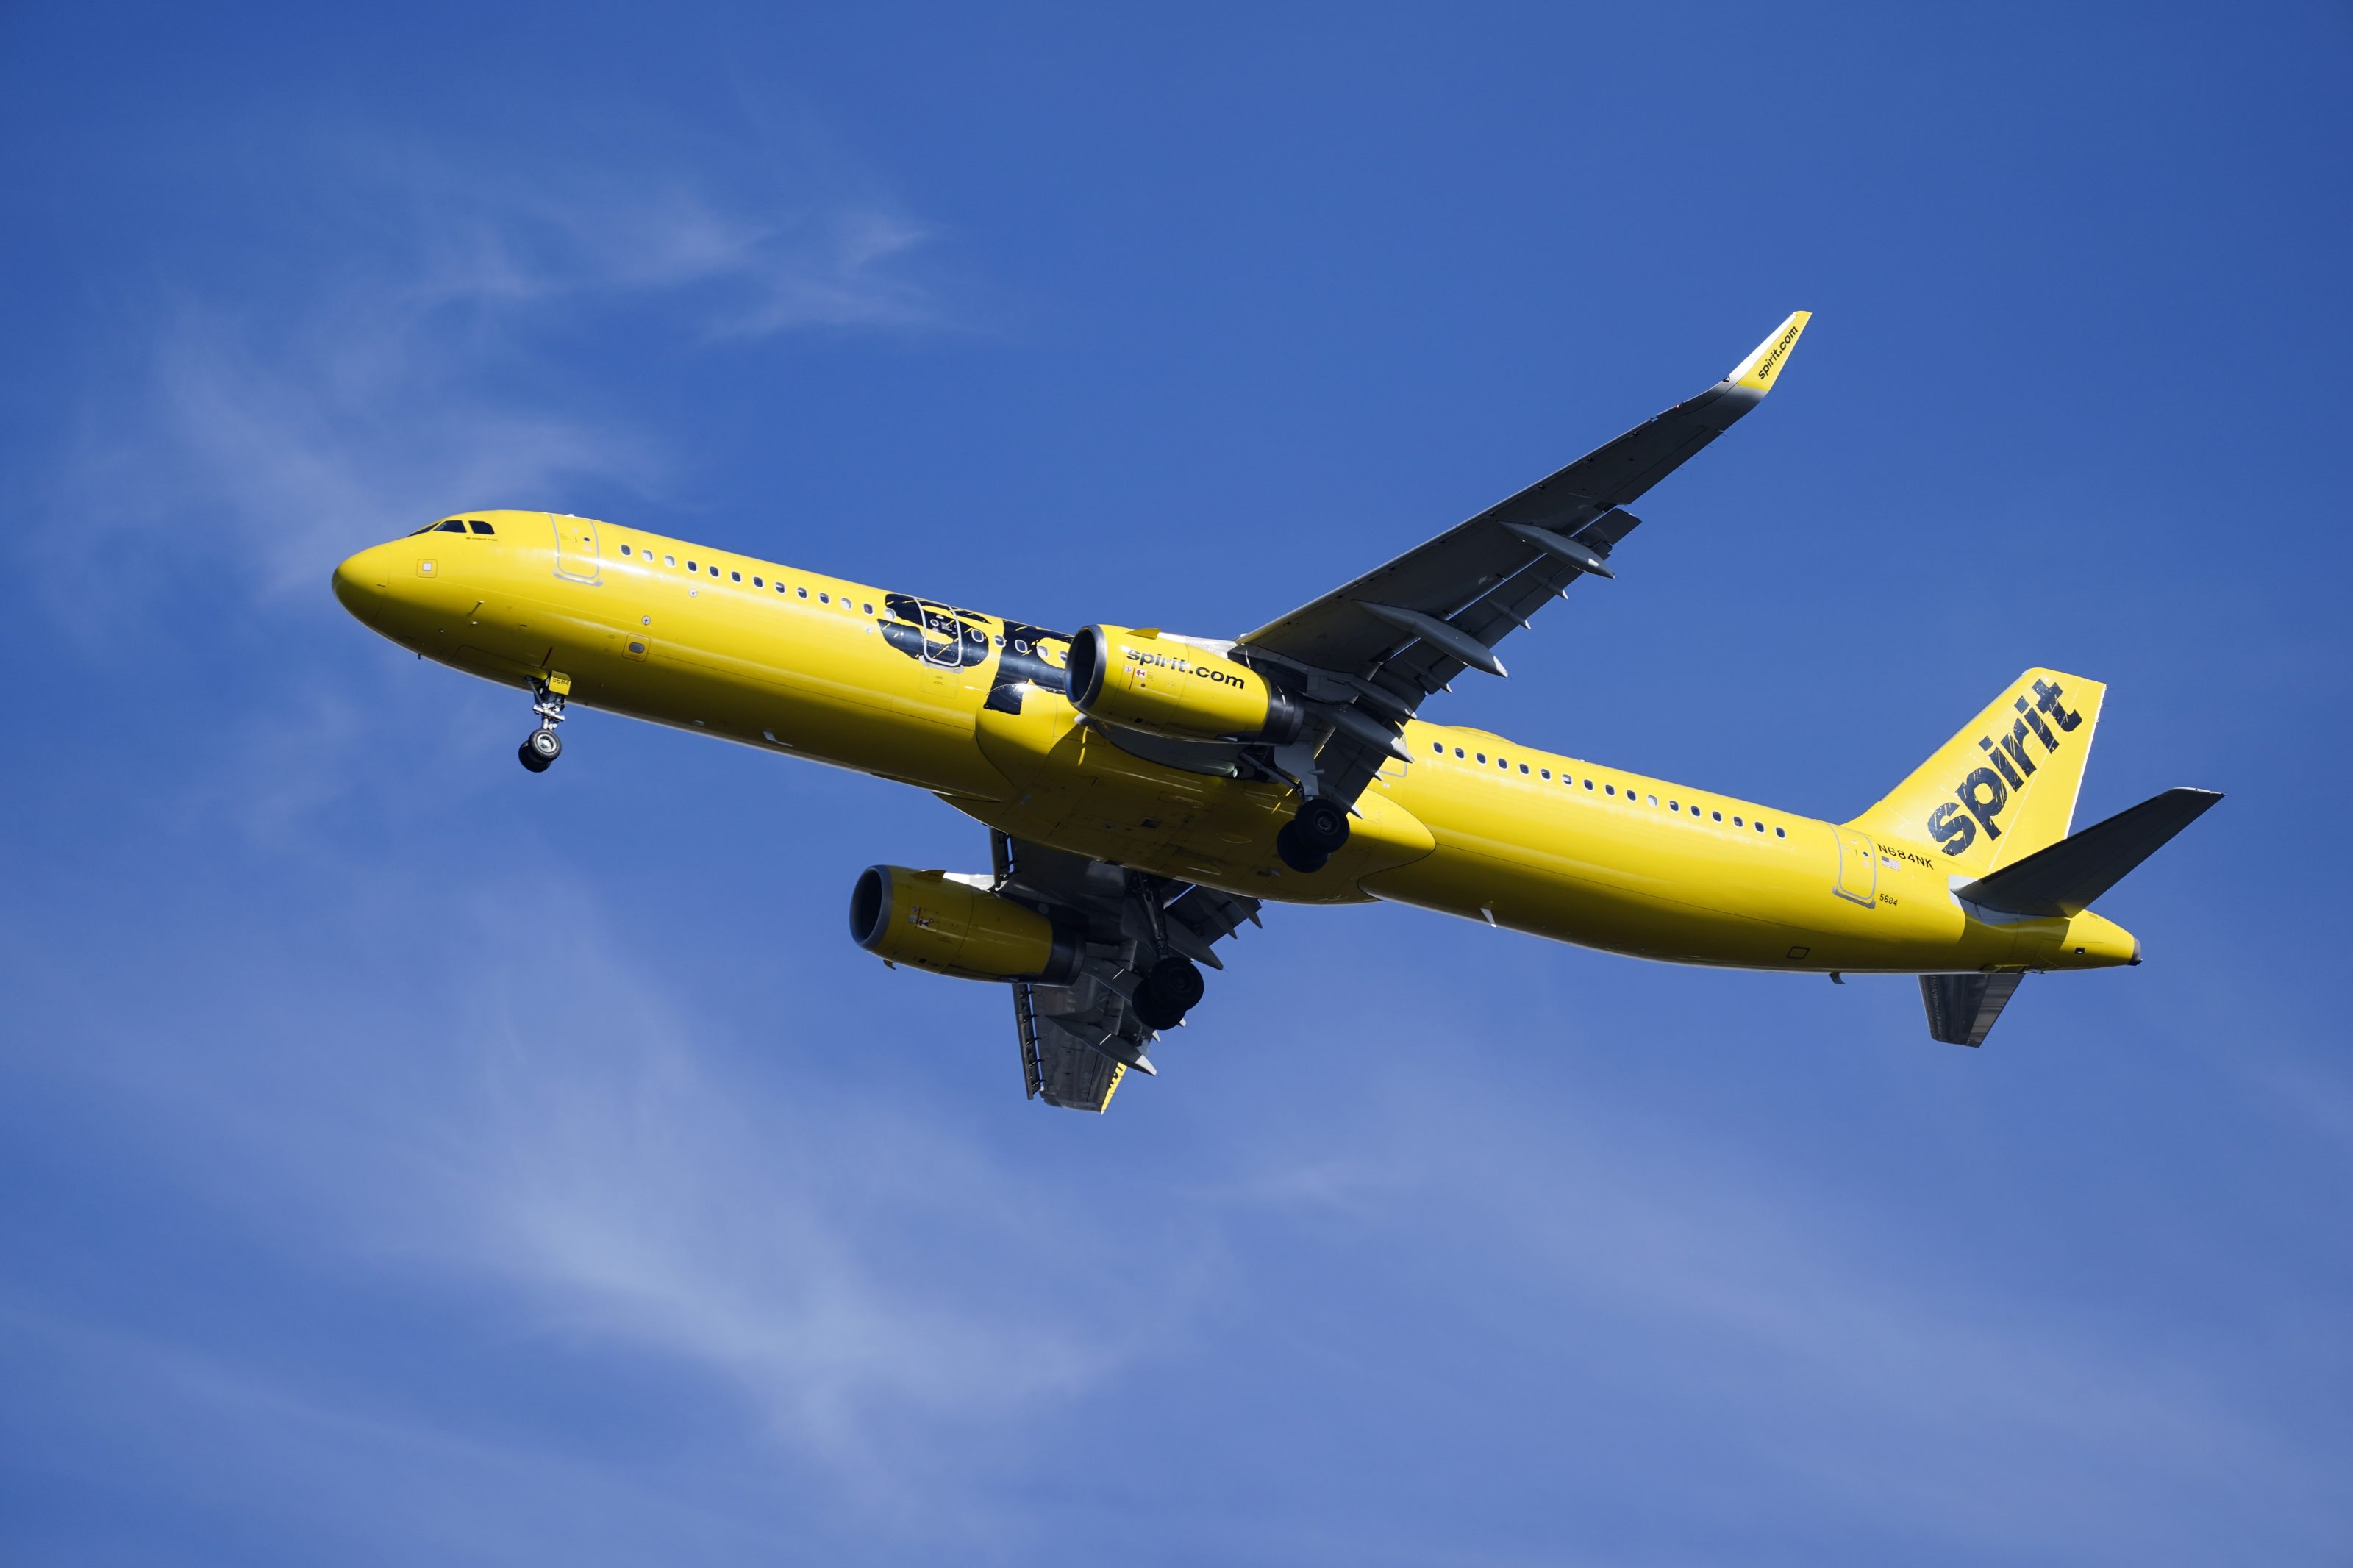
(1476, 825)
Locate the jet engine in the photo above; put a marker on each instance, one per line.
(1142, 681)
(956, 925)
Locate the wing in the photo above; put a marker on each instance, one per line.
(1369, 652)
(1078, 1041)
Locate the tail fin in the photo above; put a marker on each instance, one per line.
(2005, 786)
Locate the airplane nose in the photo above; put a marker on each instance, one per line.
(361, 583)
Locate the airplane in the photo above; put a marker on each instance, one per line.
(1148, 792)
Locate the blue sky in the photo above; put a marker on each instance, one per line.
(406, 1159)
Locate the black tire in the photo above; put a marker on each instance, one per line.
(547, 743)
(1156, 1011)
(1322, 825)
(1295, 854)
(1176, 979)
(531, 759)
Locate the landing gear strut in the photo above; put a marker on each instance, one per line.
(1310, 838)
(543, 745)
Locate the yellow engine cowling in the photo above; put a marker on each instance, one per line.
(1142, 681)
(938, 923)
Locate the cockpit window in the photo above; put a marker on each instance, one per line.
(452, 526)
(478, 526)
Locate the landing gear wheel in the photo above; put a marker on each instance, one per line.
(1294, 854)
(544, 743)
(531, 759)
(1322, 825)
(1169, 993)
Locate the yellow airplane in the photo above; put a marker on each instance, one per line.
(1147, 791)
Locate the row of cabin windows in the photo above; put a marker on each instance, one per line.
(822, 596)
(456, 525)
(1438, 748)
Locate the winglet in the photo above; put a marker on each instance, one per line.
(1761, 366)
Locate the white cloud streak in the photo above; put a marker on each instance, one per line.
(405, 372)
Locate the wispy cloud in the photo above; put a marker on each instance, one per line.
(262, 428)
(872, 1291)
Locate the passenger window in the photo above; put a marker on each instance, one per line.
(1717, 814)
(478, 526)
(1589, 783)
(1673, 806)
(1651, 798)
(1524, 768)
(1760, 827)
(693, 567)
(669, 559)
(1781, 833)
(452, 526)
(714, 570)
(1438, 747)
(1547, 774)
(802, 592)
(757, 583)
(869, 609)
(821, 597)
(625, 550)
(732, 576)
(1482, 758)
(1609, 789)
(1737, 823)
(1458, 750)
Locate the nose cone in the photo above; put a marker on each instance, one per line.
(363, 583)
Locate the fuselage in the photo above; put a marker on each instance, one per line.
(971, 707)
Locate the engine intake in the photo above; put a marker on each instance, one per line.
(1142, 681)
(939, 922)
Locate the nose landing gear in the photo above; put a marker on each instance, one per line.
(543, 745)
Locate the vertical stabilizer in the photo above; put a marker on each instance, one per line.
(2006, 786)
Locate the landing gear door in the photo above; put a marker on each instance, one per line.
(1858, 871)
(575, 548)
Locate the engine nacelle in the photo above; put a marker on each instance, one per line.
(939, 922)
(1142, 681)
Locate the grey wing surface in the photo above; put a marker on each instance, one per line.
(1369, 652)
(1079, 1040)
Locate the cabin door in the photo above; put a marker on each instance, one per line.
(575, 548)
(1858, 871)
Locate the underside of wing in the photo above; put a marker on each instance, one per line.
(1142, 936)
(1369, 652)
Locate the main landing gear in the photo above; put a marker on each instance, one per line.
(543, 745)
(1312, 837)
(1169, 990)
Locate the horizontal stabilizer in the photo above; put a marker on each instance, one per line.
(2064, 879)
(1962, 1007)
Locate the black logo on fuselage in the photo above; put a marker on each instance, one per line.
(1986, 791)
(949, 638)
